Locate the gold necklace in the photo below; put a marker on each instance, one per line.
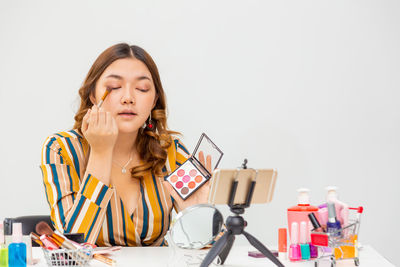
(123, 168)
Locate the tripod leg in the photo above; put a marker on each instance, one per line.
(225, 252)
(216, 249)
(258, 245)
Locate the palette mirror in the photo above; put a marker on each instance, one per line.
(195, 227)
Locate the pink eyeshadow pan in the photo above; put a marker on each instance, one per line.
(179, 185)
(181, 173)
(193, 173)
(186, 178)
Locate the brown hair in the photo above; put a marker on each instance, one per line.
(151, 144)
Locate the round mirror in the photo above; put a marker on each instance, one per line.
(196, 226)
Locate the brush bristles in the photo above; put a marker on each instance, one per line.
(42, 228)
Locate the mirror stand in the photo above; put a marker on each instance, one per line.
(235, 226)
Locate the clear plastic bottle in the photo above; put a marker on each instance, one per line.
(17, 249)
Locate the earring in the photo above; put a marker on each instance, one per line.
(149, 125)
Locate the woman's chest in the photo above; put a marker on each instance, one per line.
(127, 189)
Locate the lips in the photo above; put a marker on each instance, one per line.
(127, 112)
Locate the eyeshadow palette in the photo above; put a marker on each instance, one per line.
(192, 174)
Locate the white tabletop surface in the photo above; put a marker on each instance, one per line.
(238, 257)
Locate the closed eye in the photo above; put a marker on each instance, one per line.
(143, 90)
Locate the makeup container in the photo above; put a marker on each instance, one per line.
(3, 248)
(304, 246)
(192, 174)
(300, 212)
(17, 249)
(282, 244)
(294, 249)
(333, 225)
(313, 249)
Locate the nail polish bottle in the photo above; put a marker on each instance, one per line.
(3, 248)
(17, 249)
(333, 225)
(304, 246)
(313, 249)
(294, 249)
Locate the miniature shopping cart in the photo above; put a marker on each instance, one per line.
(67, 257)
(340, 244)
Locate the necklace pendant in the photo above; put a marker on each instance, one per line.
(123, 170)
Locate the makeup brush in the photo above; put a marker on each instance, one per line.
(36, 238)
(43, 228)
(108, 90)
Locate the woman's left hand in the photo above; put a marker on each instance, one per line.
(198, 197)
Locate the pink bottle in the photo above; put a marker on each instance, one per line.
(294, 249)
(300, 212)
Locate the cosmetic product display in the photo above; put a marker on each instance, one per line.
(17, 249)
(3, 248)
(192, 174)
(300, 212)
(55, 246)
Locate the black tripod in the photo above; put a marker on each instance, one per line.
(235, 226)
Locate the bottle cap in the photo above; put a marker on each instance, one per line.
(331, 212)
(303, 197)
(303, 232)
(294, 233)
(1, 233)
(282, 240)
(17, 233)
(332, 193)
(314, 220)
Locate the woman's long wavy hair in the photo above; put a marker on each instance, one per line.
(152, 145)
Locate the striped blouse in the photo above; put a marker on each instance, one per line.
(81, 204)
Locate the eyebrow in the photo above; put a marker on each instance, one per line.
(115, 76)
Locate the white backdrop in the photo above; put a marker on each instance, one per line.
(308, 87)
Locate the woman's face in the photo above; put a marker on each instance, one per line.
(133, 94)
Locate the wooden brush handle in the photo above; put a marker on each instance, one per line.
(104, 259)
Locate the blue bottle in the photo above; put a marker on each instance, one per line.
(333, 225)
(304, 247)
(17, 249)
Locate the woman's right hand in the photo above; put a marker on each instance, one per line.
(100, 130)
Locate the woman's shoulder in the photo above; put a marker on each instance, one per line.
(179, 147)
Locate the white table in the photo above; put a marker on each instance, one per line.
(160, 256)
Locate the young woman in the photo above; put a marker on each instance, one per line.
(104, 178)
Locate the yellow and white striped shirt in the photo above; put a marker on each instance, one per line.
(86, 205)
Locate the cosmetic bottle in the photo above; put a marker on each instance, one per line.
(282, 244)
(333, 225)
(294, 249)
(17, 249)
(304, 246)
(300, 212)
(342, 209)
(3, 248)
(313, 249)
